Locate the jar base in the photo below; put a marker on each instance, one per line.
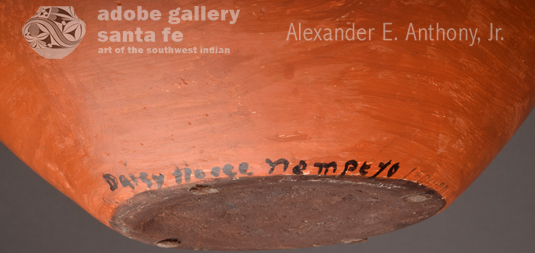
(277, 212)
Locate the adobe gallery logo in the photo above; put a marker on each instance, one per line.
(54, 31)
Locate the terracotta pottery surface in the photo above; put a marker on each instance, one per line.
(278, 143)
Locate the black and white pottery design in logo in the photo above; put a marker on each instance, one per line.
(54, 31)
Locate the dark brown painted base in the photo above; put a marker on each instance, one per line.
(276, 212)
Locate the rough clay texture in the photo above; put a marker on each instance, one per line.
(103, 128)
(274, 212)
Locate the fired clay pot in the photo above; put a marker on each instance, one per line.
(54, 31)
(279, 143)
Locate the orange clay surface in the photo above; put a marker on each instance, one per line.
(102, 127)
